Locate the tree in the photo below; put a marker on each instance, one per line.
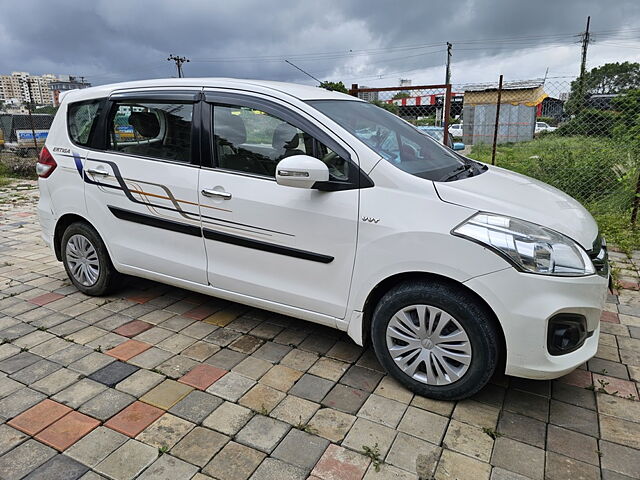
(50, 109)
(390, 107)
(401, 95)
(610, 78)
(334, 86)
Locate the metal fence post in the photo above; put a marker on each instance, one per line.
(495, 130)
(636, 202)
(447, 114)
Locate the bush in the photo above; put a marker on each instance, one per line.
(590, 122)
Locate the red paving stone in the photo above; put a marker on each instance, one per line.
(338, 463)
(128, 350)
(143, 297)
(134, 419)
(609, 317)
(39, 416)
(132, 328)
(578, 378)
(46, 298)
(67, 431)
(202, 312)
(202, 376)
(615, 386)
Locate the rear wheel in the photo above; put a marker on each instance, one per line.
(436, 339)
(87, 261)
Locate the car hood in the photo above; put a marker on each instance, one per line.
(507, 193)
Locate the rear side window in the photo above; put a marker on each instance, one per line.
(81, 120)
(156, 130)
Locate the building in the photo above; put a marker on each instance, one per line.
(37, 89)
(368, 96)
(64, 83)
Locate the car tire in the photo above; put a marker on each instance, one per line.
(87, 261)
(456, 369)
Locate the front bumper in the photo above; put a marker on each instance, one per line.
(524, 303)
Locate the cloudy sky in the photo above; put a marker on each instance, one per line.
(370, 42)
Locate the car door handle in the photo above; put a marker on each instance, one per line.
(216, 193)
(98, 171)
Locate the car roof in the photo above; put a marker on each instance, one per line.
(301, 92)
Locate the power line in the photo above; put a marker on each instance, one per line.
(179, 61)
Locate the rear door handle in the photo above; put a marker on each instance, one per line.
(98, 171)
(216, 193)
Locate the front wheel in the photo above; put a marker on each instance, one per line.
(436, 339)
(87, 261)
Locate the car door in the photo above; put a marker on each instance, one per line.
(142, 186)
(287, 245)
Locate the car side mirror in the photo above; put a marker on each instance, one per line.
(458, 146)
(301, 171)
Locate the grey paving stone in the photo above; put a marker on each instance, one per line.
(26, 457)
(169, 468)
(573, 444)
(18, 362)
(226, 359)
(65, 328)
(253, 368)
(524, 429)
(59, 467)
(79, 393)
(127, 461)
(96, 446)
(32, 339)
(16, 331)
(70, 354)
(272, 469)
(501, 474)
(177, 366)
(35, 372)
(231, 387)
(140, 382)
(56, 381)
(8, 350)
(311, 387)
(383, 410)
(406, 451)
(228, 418)
(344, 398)
(106, 404)
(528, 404)
(113, 373)
(574, 418)
(91, 363)
(518, 457)
(19, 401)
(234, 462)
(318, 344)
(107, 342)
(366, 432)
(620, 459)
(262, 433)
(272, 352)
(301, 449)
(422, 424)
(50, 347)
(607, 367)
(361, 378)
(222, 337)
(559, 467)
(196, 406)
(151, 358)
(580, 397)
(10, 437)
(165, 432)
(8, 385)
(199, 446)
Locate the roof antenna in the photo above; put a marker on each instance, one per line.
(306, 73)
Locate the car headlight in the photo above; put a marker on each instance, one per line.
(529, 247)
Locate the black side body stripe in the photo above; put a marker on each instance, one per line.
(152, 221)
(187, 229)
(265, 246)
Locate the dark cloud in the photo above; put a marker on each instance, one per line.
(357, 40)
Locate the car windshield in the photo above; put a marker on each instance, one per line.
(392, 138)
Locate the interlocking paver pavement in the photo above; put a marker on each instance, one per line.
(203, 388)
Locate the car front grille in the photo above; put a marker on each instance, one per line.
(599, 256)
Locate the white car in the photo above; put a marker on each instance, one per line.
(320, 206)
(544, 127)
(455, 129)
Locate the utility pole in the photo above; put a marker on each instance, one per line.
(583, 64)
(179, 61)
(447, 78)
(29, 108)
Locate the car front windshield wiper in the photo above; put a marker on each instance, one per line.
(465, 167)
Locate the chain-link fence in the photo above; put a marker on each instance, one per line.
(21, 138)
(583, 142)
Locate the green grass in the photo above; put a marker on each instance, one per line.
(598, 172)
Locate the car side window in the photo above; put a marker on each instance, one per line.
(252, 141)
(81, 119)
(156, 130)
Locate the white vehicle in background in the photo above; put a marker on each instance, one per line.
(327, 208)
(544, 127)
(455, 129)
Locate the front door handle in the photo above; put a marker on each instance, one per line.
(216, 193)
(98, 171)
